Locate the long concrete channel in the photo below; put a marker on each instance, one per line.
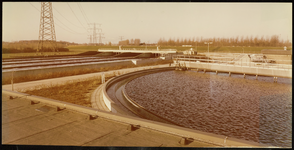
(31, 63)
(37, 70)
(23, 64)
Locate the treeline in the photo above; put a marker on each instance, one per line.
(251, 41)
(130, 42)
(31, 50)
(32, 46)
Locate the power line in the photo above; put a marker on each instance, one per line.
(84, 15)
(65, 18)
(56, 23)
(34, 6)
(66, 26)
(76, 16)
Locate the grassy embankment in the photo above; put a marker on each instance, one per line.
(18, 55)
(77, 92)
(201, 49)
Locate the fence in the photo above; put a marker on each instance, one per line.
(235, 61)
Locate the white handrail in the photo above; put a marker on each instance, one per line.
(246, 64)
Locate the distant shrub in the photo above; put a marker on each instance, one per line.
(27, 49)
(10, 50)
(63, 49)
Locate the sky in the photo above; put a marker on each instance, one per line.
(148, 21)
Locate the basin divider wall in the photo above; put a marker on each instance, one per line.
(284, 73)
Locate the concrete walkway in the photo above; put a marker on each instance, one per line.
(39, 124)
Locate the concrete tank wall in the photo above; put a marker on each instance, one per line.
(144, 55)
(39, 72)
(46, 71)
(285, 73)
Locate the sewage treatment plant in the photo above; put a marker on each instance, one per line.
(165, 98)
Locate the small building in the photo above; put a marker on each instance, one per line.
(190, 52)
(186, 45)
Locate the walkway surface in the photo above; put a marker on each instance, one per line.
(39, 124)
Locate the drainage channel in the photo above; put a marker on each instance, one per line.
(127, 106)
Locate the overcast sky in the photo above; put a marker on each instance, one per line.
(148, 21)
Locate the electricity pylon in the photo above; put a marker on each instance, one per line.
(121, 38)
(47, 30)
(94, 37)
(90, 39)
(100, 36)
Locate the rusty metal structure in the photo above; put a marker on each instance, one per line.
(47, 34)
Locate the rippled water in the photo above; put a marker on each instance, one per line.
(255, 110)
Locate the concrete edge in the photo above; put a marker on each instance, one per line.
(240, 69)
(108, 102)
(142, 112)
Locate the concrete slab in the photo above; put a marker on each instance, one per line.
(34, 125)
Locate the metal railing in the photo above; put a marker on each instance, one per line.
(140, 49)
(230, 61)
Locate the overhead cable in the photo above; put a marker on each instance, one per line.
(83, 13)
(76, 16)
(58, 20)
(66, 18)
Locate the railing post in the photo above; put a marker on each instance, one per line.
(12, 81)
(102, 78)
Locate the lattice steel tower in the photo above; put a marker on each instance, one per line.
(94, 36)
(47, 36)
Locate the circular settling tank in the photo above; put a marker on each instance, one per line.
(255, 110)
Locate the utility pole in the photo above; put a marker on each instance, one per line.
(208, 44)
(196, 46)
(47, 29)
(121, 38)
